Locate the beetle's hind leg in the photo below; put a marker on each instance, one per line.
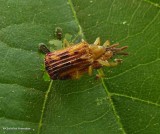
(66, 43)
(90, 70)
(75, 75)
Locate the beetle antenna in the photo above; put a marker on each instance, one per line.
(116, 50)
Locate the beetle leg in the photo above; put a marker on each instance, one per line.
(82, 40)
(107, 43)
(97, 42)
(116, 62)
(66, 43)
(110, 64)
(104, 63)
(98, 76)
(90, 70)
(77, 75)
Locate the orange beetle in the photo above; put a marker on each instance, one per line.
(73, 61)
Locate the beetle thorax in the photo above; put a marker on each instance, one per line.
(97, 51)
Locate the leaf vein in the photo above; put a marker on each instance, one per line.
(139, 65)
(134, 98)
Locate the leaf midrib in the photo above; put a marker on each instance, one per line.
(43, 106)
(113, 107)
(154, 4)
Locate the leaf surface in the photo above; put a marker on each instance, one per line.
(127, 101)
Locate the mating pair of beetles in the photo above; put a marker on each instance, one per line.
(75, 60)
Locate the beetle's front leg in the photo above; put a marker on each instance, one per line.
(107, 43)
(97, 42)
(109, 64)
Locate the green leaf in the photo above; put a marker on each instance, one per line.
(127, 101)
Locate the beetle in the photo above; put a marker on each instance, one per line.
(73, 61)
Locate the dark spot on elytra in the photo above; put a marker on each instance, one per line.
(76, 52)
(47, 68)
